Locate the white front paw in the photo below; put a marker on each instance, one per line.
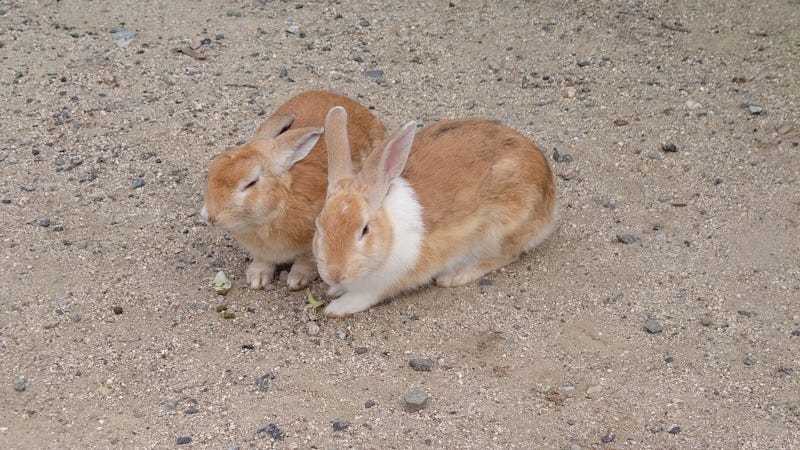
(335, 290)
(259, 274)
(350, 303)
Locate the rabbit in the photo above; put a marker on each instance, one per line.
(267, 192)
(464, 198)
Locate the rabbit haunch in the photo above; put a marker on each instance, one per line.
(267, 192)
(473, 195)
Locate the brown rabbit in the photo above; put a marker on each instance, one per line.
(267, 192)
(470, 197)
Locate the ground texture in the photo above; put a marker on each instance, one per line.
(662, 313)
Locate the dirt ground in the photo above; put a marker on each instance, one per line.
(680, 205)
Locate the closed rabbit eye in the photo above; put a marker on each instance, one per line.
(364, 231)
(250, 184)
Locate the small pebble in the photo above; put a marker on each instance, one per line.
(191, 410)
(375, 74)
(369, 404)
(627, 238)
(20, 385)
(283, 73)
(796, 332)
(312, 329)
(294, 29)
(705, 321)
(137, 183)
(416, 399)
(117, 310)
(421, 364)
(749, 360)
(248, 346)
(673, 429)
(336, 75)
(228, 315)
(571, 422)
(755, 110)
(653, 326)
(582, 62)
(560, 155)
(44, 223)
(669, 359)
(607, 438)
(485, 282)
(339, 425)
(669, 148)
(183, 440)
(58, 228)
(493, 66)
(360, 350)
(222, 307)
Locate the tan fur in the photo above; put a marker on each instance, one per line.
(275, 219)
(487, 194)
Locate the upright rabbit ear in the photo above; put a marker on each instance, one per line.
(339, 165)
(382, 167)
(292, 146)
(275, 125)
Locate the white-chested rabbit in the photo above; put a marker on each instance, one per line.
(267, 192)
(470, 197)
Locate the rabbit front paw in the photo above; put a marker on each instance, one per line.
(259, 274)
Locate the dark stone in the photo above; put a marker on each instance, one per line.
(421, 364)
(749, 360)
(44, 223)
(627, 238)
(669, 148)
(796, 332)
(669, 359)
(375, 74)
(607, 438)
(183, 440)
(283, 73)
(561, 155)
(369, 404)
(653, 326)
(272, 431)
(248, 346)
(20, 385)
(485, 282)
(582, 62)
(339, 425)
(416, 399)
(360, 350)
(117, 310)
(673, 429)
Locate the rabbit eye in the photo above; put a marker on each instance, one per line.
(250, 184)
(365, 231)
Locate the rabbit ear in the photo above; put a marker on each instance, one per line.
(381, 168)
(292, 146)
(339, 165)
(275, 125)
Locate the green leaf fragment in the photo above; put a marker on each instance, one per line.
(314, 303)
(221, 283)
